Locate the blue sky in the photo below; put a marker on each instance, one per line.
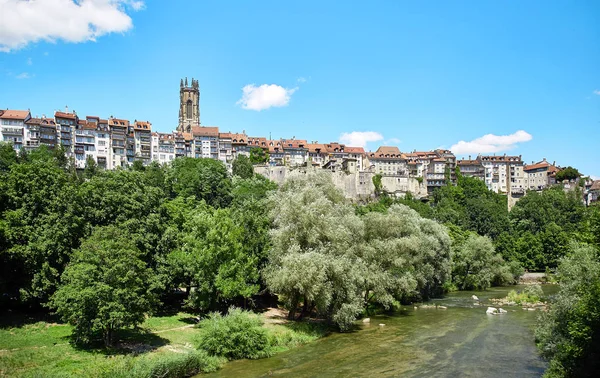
(419, 75)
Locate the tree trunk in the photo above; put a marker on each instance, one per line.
(108, 336)
(293, 305)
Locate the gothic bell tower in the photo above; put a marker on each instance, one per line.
(189, 105)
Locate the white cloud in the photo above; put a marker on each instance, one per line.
(301, 80)
(597, 92)
(265, 96)
(360, 138)
(491, 143)
(24, 75)
(25, 22)
(392, 141)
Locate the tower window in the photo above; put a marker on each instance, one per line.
(189, 109)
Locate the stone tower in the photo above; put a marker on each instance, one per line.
(189, 105)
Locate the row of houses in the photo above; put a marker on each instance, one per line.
(504, 173)
(114, 142)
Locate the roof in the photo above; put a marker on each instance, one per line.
(33, 121)
(239, 138)
(15, 114)
(225, 135)
(595, 185)
(316, 148)
(118, 122)
(64, 115)
(387, 152)
(188, 136)
(205, 131)
(538, 165)
(334, 147)
(257, 141)
(354, 150)
(48, 122)
(142, 126)
(439, 160)
(468, 162)
(501, 158)
(293, 143)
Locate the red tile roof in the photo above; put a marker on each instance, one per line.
(142, 126)
(15, 114)
(64, 115)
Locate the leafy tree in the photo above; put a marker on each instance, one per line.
(8, 156)
(377, 183)
(568, 173)
(212, 259)
(138, 166)
(106, 287)
(242, 167)
(91, 168)
(40, 227)
(476, 265)
(569, 333)
(204, 179)
(258, 156)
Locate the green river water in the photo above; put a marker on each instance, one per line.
(461, 341)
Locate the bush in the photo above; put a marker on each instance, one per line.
(531, 294)
(172, 365)
(237, 335)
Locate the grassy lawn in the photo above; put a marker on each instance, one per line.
(42, 349)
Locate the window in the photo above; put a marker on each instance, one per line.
(188, 111)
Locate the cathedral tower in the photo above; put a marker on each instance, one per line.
(189, 106)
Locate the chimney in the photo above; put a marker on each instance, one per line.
(554, 162)
(469, 157)
(544, 159)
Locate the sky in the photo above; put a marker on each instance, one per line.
(490, 77)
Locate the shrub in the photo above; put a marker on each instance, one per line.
(237, 335)
(531, 294)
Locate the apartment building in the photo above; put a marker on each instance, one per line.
(12, 124)
(225, 147)
(388, 160)
(118, 141)
(471, 168)
(206, 142)
(142, 134)
(164, 146)
(48, 132)
(31, 133)
(295, 152)
(503, 173)
(539, 175)
(65, 130)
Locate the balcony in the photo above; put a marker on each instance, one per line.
(12, 130)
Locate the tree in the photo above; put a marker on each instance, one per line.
(242, 167)
(106, 287)
(8, 156)
(91, 168)
(476, 265)
(569, 333)
(203, 179)
(258, 156)
(377, 184)
(568, 173)
(211, 259)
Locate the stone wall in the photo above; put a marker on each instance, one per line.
(355, 186)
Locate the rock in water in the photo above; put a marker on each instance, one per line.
(381, 324)
(367, 320)
(474, 297)
(491, 310)
(502, 311)
(442, 307)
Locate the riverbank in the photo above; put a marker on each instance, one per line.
(451, 336)
(167, 343)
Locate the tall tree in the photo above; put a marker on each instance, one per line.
(242, 167)
(106, 287)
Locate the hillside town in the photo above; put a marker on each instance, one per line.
(114, 142)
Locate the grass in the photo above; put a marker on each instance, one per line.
(43, 349)
(165, 347)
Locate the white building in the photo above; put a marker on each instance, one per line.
(503, 173)
(12, 123)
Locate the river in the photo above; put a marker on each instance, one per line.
(461, 341)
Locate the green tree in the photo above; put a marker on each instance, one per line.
(569, 333)
(106, 287)
(258, 156)
(242, 167)
(568, 173)
(203, 179)
(377, 183)
(8, 156)
(91, 168)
